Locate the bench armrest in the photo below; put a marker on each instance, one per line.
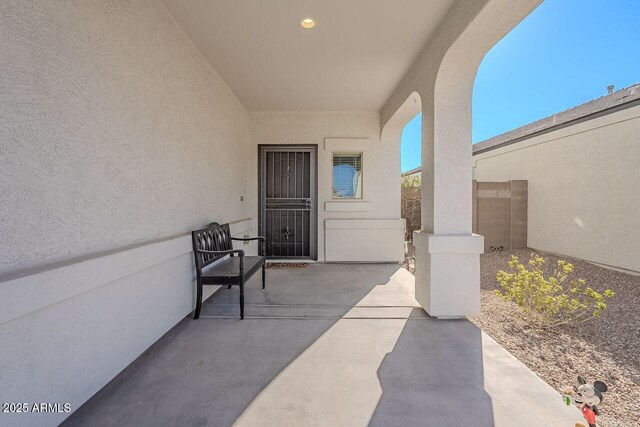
(234, 251)
(246, 239)
(262, 240)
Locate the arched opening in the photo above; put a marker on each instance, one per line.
(443, 76)
(411, 145)
(564, 54)
(562, 81)
(556, 114)
(405, 127)
(411, 179)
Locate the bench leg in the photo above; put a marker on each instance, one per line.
(241, 300)
(263, 270)
(196, 313)
(230, 256)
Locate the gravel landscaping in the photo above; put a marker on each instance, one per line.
(607, 349)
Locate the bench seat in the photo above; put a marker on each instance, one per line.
(228, 269)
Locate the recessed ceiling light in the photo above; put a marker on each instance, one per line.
(307, 23)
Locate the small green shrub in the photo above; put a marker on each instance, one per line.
(558, 299)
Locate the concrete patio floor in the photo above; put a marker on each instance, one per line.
(327, 345)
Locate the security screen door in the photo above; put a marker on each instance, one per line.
(288, 201)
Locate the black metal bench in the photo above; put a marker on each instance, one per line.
(214, 243)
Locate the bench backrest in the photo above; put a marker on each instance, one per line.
(216, 237)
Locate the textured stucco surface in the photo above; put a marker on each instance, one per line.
(584, 184)
(67, 351)
(113, 130)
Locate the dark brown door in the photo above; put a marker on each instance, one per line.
(288, 201)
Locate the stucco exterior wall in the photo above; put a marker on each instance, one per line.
(381, 176)
(584, 183)
(66, 332)
(115, 130)
(115, 133)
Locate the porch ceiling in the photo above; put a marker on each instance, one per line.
(352, 60)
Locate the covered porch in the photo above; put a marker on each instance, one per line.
(126, 125)
(325, 345)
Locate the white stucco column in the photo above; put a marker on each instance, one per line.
(447, 253)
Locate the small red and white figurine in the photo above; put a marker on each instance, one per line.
(587, 396)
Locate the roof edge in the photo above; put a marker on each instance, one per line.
(608, 104)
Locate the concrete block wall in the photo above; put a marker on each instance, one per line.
(519, 199)
(500, 214)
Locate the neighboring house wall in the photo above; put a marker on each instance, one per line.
(584, 187)
(348, 230)
(115, 131)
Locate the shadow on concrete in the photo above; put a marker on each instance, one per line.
(206, 372)
(434, 377)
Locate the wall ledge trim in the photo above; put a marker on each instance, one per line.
(359, 223)
(347, 144)
(452, 244)
(33, 292)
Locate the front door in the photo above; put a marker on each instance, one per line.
(288, 201)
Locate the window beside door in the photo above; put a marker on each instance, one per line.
(347, 176)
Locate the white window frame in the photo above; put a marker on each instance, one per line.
(348, 153)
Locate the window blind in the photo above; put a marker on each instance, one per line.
(347, 175)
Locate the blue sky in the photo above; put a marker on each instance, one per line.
(565, 53)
